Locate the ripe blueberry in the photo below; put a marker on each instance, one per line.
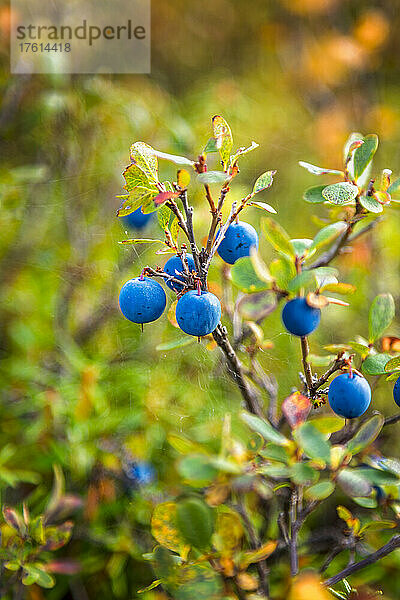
(299, 318)
(137, 219)
(396, 392)
(141, 472)
(198, 314)
(239, 239)
(349, 396)
(142, 300)
(174, 266)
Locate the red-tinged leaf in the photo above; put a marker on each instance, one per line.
(296, 408)
(163, 197)
(382, 197)
(337, 301)
(64, 566)
(13, 519)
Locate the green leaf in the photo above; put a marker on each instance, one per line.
(313, 195)
(282, 270)
(353, 484)
(263, 206)
(320, 361)
(275, 471)
(339, 288)
(303, 474)
(197, 581)
(381, 315)
(212, 177)
(275, 452)
(365, 502)
(362, 350)
(394, 188)
(327, 425)
(375, 364)
(328, 234)
(211, 146)
(223, 135)
(245, 277)
(318, 170)
(197, 470)
(378, 477)
(371, 204)
(366, 434)
(264, 428)
(305, 279)
(150, 587)
(141, 190)
(393, 364)
(377, 526)
(178, 343)
(164, 526)
(144, 157)
(364, 154)
(242, 151)
(165, 565)
(340, 193)
(264, 182)
(178, 160)
(301, 246)
(195, 522)
(312, 442)
(319, 491)
(277, 237)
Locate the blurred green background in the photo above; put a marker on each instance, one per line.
(81, 386)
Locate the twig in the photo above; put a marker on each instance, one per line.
(294, 530)
(174, 208)
(337, 365)
(218, 241)
(306, 365)
(392, 545)
(189, 226)
(216, 217)
(391, 420)
(236, 370)
(263, 571)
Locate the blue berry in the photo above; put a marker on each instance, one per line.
(198, 314)
(349, 396)
(137, 219)
(299, 318)
(142, 300)
(396, 392)
(238, 241)
(174, 266)
(141, 472)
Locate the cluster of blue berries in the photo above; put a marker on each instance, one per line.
(198, 312)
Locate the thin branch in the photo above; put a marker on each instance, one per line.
(216, 218)
(235, 368)
(294, 530)
(189, 225)
(174, 208)
(305, 349)
(392, 545)
(391, 420)
(261, 566)
(337, 365)
(221, 236)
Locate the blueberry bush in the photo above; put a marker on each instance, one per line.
(234, 528)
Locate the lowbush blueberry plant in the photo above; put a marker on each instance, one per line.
(235, 527)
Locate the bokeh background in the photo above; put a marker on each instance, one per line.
(81, 386)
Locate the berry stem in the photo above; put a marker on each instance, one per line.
(142, 274)
(198, 287)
